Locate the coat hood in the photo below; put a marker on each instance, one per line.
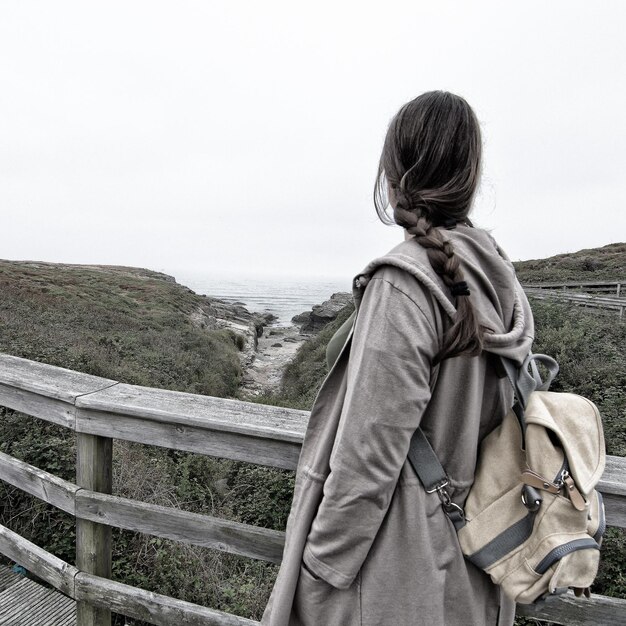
(496, 294)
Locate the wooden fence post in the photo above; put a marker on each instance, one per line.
(94, 471)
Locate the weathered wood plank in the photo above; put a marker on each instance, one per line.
(200, 530)
(36, 560)
(8, 577)
(94, 471)
(572, 611)
(37, 482)
(597, 283)
(43, 390)
(30, 604)
(205, 412)
(201, 438)
(48, 380)
(614, 478)
(151, 607)
(613, 488)
(615, 507)
(49, 409)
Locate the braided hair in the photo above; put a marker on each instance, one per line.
(428, 171)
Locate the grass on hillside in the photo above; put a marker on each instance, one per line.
(129, 325)
(596, 264)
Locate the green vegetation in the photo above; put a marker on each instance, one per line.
(590, 347)
(130, 325)
(602, 264)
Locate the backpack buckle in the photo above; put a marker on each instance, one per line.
(439, 486)
(452, 510)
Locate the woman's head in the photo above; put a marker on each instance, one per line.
(429, 170)
(430, 163)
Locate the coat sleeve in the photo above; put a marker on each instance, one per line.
(388, 388)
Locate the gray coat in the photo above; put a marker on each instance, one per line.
(365, 544)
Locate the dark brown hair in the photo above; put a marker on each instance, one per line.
(429, 170)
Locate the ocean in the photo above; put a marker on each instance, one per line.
(282, 296)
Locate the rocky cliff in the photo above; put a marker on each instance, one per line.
(321, 315)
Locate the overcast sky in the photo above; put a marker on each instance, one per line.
(244, 137)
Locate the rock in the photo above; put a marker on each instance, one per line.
(324, 313)
(217, 313)
(301, 318)
(277, 345)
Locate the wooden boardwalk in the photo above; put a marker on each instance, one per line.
(25, 603)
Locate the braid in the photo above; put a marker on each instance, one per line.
(428, 172)
(465, 334)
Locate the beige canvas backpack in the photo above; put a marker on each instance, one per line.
(533, 519)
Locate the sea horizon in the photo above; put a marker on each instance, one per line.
(282, 295)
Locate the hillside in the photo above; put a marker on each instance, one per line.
(603, 264)
(128, 324)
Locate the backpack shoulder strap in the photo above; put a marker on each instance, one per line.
(423, 458)
(525, 382)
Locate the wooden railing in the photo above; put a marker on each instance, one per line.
(585, 294)
(609, 303)
(615, 288)
(101, 410)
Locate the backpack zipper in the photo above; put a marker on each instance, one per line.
(562, 481)
(566, 482)
(563, 473)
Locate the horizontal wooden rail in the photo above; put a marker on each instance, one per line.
(208, 531)
(193, 528)
(152, 519)
(572, 611)
(151, 607)
(38, 483)
(609, 303)
(573, 296)
(231, 429)
(46, 566)
(600, 286)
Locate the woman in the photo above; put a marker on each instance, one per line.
(365, 544)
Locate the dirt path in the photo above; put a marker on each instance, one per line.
(276, 347)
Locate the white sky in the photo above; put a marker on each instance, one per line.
(243, 137)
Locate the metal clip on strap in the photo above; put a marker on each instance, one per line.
(432, 475)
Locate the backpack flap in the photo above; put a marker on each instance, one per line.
(572, 423)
